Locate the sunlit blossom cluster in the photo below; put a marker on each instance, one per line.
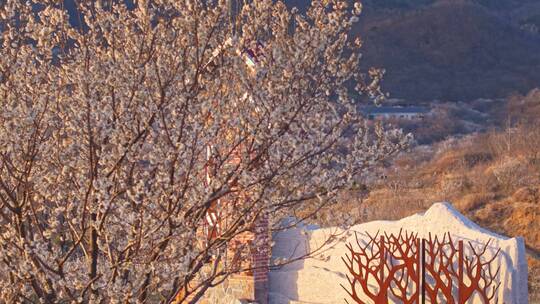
(105, 126)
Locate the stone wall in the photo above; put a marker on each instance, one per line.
(236, 287)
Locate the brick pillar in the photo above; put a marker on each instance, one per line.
(261, 259)
(251, 286)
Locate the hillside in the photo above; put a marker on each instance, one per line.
(455, 50)
(451, 49)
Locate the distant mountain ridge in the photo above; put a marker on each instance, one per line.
(452, 49)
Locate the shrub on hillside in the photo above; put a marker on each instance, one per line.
(527, 195)
(473, 158)
(474, 201)
(453, 185)
(510, 173)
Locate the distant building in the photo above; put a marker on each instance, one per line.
(395, 112)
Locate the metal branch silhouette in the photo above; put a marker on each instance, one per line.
(406, 269)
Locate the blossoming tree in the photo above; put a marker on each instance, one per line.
(106, 123)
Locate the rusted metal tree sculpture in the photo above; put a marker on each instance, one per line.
(438, 264)
(479, 272)
(367, 265)
(404, 252)
(403, 268)
(383, 267)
